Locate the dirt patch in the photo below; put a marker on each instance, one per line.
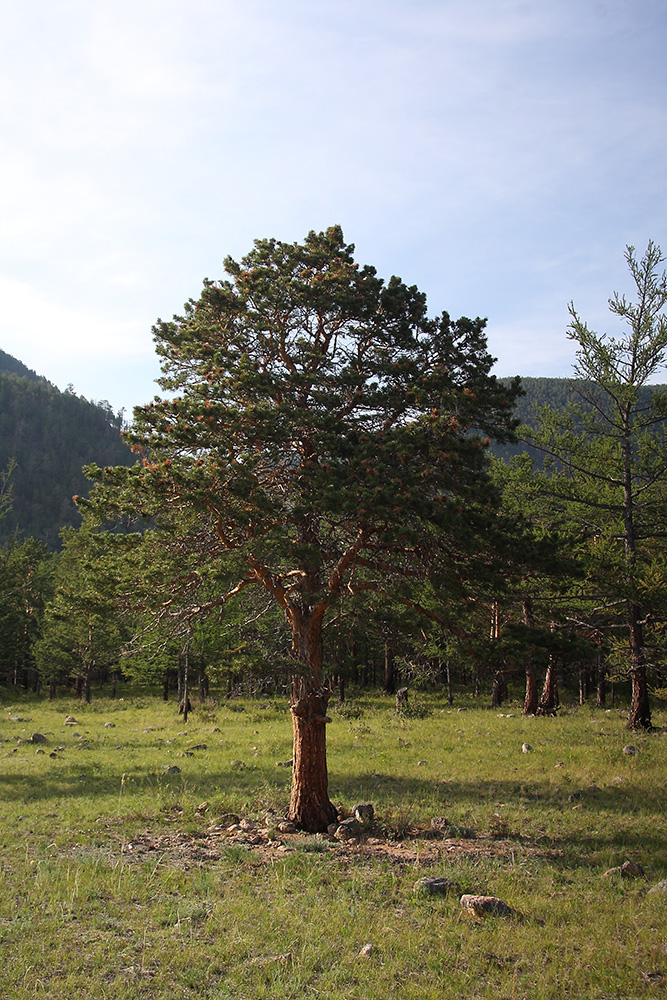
(195, 850)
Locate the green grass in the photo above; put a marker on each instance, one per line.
(115, 885)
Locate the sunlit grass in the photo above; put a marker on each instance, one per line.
(80, 916)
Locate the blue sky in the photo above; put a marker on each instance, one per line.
(498, 154)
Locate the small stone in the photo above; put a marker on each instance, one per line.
(364, 813)
(109, 725)
(284, 763)
(285, 826)
(367, 949)
(630, 751)
(660, 889)
(631, 869)
(526, 748)
(70, 721)
(331, 829)
(486, 906)
(38, 738)
(202, 807)
(439, 823)
(345, 832)
(436, 887)
(174, 769)
(198, 746)
(247, 824)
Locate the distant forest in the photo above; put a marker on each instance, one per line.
(46, 437)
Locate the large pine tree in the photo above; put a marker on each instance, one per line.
(329, 436)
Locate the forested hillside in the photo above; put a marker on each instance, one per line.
(555, 392)
(46, 437)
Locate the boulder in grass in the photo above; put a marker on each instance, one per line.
(486, 906)
(70, 721)
(38, 738)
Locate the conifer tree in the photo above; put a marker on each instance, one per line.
(606, 467)
(329, 439)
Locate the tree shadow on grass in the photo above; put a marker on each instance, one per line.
(608, 821)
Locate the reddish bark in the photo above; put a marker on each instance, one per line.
(310, 808)
(530, 701)
(549, 700)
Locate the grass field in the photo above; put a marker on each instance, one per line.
(121, 878)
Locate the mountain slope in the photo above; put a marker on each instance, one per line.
(47, 436)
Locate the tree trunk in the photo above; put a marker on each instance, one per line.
(389, 675)
(310, 808)
(185, 705)
(530, 700)
(601, 681)
(639, 716)
(499, 689)
(549, 700)
(202, 681)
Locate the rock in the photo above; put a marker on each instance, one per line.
(331, 829)
(439, 823)
(629, 869)
(70, 721)
(247, 824)
(347, 831)
(198, 746)
(486, 906)
(364, 813)
(660, 889)
(285, 826)
(174, 769)
(526, 748)
(17, 718)
(202, 807)
(573, 796)
(284, 763)
(38, 738)
(630, 751)
(436, 887)
(367, 949)
(109, 725)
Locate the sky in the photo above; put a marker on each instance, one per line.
(499, 154)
